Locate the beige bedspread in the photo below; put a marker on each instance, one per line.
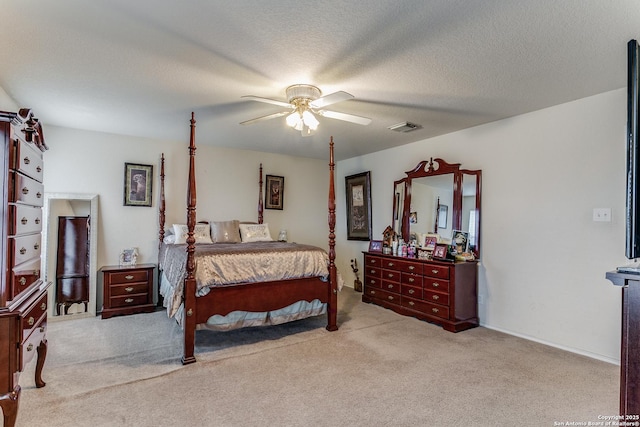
(221, 264)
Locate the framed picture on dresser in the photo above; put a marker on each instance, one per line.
(440, 252)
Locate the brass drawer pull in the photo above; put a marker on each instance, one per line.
(411, 303)
(435, 285)
(411, 280)
(129, 300)
(37, 220)
(411, 291)
(43, 306)
(411, 267)
(436, 297)
(128, 277)
(26, 160)
(390, 286)
(390, 264)
(25, 191)
(22, 281)
(39, 195)
(372, 261)
(372, 292)
(435, 271)
(390, 275)
(435, 310)
(390, 298)
(31, 321)
(39, 169)
(23, 251)
(373, 282)
(372, 271)
(24, 221)
(30, 347)
(36, 246)
(128, 289)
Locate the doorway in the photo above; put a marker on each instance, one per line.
(69, 204)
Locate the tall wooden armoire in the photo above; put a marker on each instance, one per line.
(72, 268)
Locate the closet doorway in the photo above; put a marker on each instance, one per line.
(61, 205)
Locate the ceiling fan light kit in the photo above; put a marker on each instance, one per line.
(304, 101)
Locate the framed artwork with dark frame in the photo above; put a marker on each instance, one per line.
(358, 190)
(274, 192)
(440, 252)
(375, 246)
(138, 181)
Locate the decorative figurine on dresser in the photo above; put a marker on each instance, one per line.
(23, 293)
(431, 274)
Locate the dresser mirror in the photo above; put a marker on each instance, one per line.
(438, 197)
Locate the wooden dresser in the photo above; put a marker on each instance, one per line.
(444, 293)
(23, 294)
(127, 289)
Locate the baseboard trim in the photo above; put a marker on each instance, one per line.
(550, 344)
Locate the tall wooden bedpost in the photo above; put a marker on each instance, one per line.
(161, 217)
(332, 306)
(260, 202)
(189, 321)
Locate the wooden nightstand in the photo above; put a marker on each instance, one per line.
(127, 290)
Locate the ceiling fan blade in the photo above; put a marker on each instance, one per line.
(268, 101)
(346, 117)
(332, 98)
(267, 117)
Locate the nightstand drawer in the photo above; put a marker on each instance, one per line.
(128, 289)
(129, 300)
(127, 276)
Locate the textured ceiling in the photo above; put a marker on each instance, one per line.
(140, 67)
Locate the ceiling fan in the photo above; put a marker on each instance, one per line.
(303, 102)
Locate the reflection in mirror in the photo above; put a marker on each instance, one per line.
(398, 205)
(439, 198)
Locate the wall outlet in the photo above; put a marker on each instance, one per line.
(602, 214)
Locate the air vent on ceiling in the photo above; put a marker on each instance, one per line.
(404, 127)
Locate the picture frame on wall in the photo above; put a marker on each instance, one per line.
(274, 192)
(358, 191)
(138, 182)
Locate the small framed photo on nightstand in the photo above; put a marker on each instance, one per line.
(375, 246)
(129, 257)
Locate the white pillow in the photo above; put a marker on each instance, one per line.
(255, 233)
(202, 233)
(170, 239)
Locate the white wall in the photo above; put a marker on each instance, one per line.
(543, 258)
(90, 162)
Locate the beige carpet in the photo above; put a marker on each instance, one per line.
(379, 369)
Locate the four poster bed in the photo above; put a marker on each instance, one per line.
(223, 283)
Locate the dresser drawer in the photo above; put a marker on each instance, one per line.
(372, 271)
(127, 276)
(26, 159)
(391, 286)
(411, 279)
(383, 295)
(33, 318)
(24, 248)
(409, 267)
(411, 291)
(24, 219)
(374, 282)
(25, 190)
(438, 271)
(437, 297)
(29, 348)
(430, 283)
(372, 261)
(426, 307)
(390, 275)
(23, 275)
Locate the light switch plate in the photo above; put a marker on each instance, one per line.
(602, 214)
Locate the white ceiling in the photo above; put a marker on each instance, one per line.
(140, 67)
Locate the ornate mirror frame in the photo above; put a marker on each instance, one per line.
(438, 167)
